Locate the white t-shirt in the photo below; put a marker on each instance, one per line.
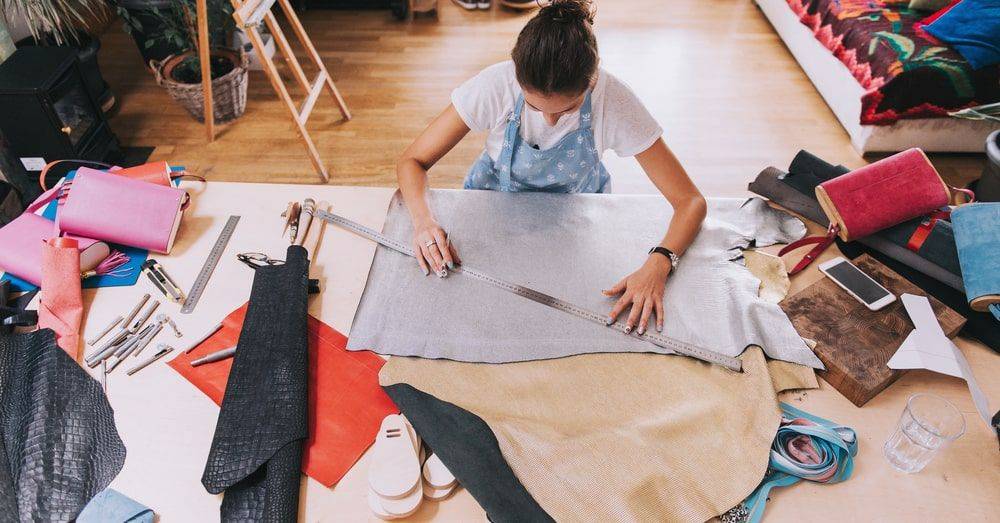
(620, 121)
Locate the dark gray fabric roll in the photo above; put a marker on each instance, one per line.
(58, 443)
(256, 453)
(467, 446)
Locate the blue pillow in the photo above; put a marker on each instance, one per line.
(972, 27)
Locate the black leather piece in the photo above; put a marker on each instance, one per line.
(12, 313)
(256, 453)
(58, 438)
(11, 205)
(467, 446)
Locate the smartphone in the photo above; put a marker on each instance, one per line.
(858, 284)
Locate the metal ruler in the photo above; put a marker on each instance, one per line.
(677, 346)
(209, 267)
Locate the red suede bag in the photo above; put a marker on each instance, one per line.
(874, 197)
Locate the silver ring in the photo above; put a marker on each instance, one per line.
(432, 242)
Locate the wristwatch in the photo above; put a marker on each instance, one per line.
(675, 260)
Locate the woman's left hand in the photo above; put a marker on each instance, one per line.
(643, 290)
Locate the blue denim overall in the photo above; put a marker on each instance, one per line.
(573, 165)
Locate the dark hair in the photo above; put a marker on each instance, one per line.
(556, 51)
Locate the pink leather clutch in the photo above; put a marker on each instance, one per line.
(122, 210)
(882, 194)
(21, 247)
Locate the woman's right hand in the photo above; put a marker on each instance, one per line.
(433, 250)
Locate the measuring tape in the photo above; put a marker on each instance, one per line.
(206, 270)
(677, 346)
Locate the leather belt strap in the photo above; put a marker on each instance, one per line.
(921, 233)
(821, 242)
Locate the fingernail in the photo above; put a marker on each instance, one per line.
(426, 272)
(609, 322)
(628, 329)
(659, 328)
(442, 273)
(641, 330)
(451, 265)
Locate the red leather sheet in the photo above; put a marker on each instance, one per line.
(346, 404)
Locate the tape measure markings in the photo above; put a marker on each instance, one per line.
(665, 342)
(209, 267)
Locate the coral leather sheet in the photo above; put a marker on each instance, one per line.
(346, 404)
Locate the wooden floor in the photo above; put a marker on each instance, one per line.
(715, 74)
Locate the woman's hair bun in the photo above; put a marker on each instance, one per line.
(568, 11)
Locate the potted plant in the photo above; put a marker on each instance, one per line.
(180, 73)
(63, 22)
(147, 20)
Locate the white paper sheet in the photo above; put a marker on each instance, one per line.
(927, 347)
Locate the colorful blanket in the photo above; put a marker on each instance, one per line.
(906, 72)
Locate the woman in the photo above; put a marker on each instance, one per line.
(551, 112)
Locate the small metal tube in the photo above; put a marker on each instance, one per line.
(107, 349)
(145, 341)
(131, 315)
(104, 332)
(163, 351)
(215, 356)
(145, 316)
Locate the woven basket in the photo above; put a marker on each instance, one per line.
(229, 92)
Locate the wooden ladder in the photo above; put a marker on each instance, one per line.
(249, 14)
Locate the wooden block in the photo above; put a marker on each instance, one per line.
(856, 343)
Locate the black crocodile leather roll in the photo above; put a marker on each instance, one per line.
(467, 446)
(256, 453)
(59, 446)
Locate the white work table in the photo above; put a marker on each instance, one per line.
(167, 424)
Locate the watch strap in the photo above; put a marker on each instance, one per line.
(674, 259)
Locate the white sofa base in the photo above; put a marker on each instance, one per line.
(842, 93)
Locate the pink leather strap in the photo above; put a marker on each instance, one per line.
(967, 192)
(50, 165)
(820, 242)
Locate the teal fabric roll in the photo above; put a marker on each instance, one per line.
(806, 447)
(977, 238)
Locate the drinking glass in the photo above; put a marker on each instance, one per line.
(927, 425)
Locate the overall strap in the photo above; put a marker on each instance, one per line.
(512, 134)
(586, 114)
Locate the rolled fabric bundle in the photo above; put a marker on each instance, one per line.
(935, 255)
(977, 237)
(256, 453)
(806, 447)
(934, 267)
(60, 305)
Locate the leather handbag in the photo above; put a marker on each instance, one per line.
(880, 195)
(21, 247)
(122, 210)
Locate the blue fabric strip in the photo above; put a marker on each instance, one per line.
(836, 444)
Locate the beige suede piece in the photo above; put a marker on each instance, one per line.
(624, 437)
(770, 270)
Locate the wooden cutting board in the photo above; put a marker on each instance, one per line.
(853, 342)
